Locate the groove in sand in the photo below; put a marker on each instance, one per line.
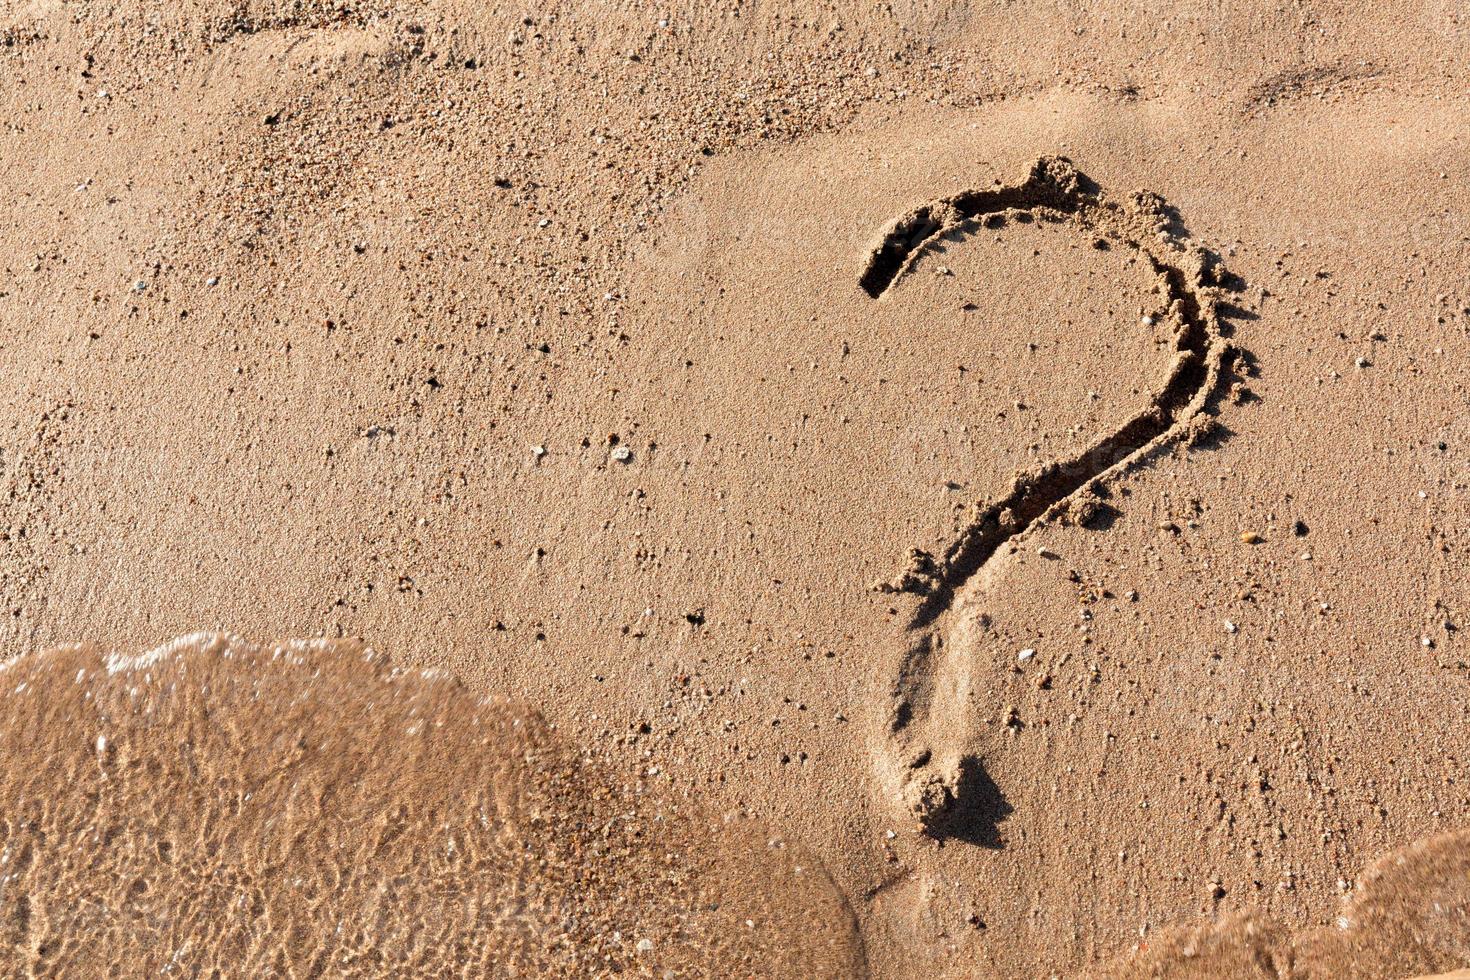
(930, 775)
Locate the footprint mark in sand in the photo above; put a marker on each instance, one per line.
(926, 761)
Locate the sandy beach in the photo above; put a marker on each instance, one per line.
(972, 491)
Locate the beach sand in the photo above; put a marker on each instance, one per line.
(1017, 456)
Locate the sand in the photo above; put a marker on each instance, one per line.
(547, 348)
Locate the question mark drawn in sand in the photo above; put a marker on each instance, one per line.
(924, 761)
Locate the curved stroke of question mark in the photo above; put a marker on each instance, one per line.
(931, 776)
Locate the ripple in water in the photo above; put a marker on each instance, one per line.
(1409, 916)
(215, 808)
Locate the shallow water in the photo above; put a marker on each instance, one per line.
(213, 808)
(1408, 916)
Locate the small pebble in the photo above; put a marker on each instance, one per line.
(1026, 655)
(1251, 537)
(622, 454)
(538, 451)
(1230, 627)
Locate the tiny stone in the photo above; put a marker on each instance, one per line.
(1362, 362)
(1251, 537)
(622, 454)
(1230, 627)
(1026, 655)
(538, 451)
